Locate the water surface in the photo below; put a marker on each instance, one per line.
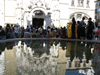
(49, 58)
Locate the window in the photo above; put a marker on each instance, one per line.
(79, 16)
(86, 18)
(38, 12)
(88, 3)
(80, 2)
(71, 16)
(84, 64)
(72, 3)
(77, 64)
(69, 64)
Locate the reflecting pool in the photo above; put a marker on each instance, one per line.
(49, 57)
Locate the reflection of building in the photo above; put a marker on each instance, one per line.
(2, 67)
(87, 71)
(96, 59)
(49, 12)
(41, 58)
(31, 63)
(10, 61)
(76, 61)
(76, 64)
(61, 62)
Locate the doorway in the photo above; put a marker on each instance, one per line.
(37, 22)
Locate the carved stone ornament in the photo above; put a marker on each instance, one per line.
(39, 4)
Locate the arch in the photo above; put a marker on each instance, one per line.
(40, 8)
(79, 13)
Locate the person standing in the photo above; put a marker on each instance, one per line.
(10, 34)
(99, 33)
(27, 34)
(55, 33)
(16, 30)
(12, 27)
(48, 34)
(78, 29)
(90, 28)
(73, 27)
(64, 32)
(2, 33)
(7, 28)
(82, 25)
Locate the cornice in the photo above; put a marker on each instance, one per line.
(64, 3)
(64, 19)
(10, 16)
(81, 8)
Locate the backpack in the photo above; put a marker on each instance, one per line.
(92, 26)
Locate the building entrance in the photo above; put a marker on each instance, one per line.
(37, 22)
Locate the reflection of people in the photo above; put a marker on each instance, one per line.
(2, 47)
(10, 45)
(97, 72)
(98, 47)
(28, 42)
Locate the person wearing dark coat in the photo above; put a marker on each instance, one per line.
(10, 34)
(73, 27)
(82, 25)
(78, 29)
(90, 28)
(7, 28)
(2, 33)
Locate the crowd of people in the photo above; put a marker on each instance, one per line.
(83, 31)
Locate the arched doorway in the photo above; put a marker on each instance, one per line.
(78, 16)
(37, 22)
(38, 19)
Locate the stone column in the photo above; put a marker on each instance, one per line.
(76, 3)
(85, 3)
(48, 21)
(25, 21)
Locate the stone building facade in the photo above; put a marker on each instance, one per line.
(53, 13)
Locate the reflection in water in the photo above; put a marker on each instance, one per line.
(96, 59)
(2, 48)
(35, 58)
(49, 57)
